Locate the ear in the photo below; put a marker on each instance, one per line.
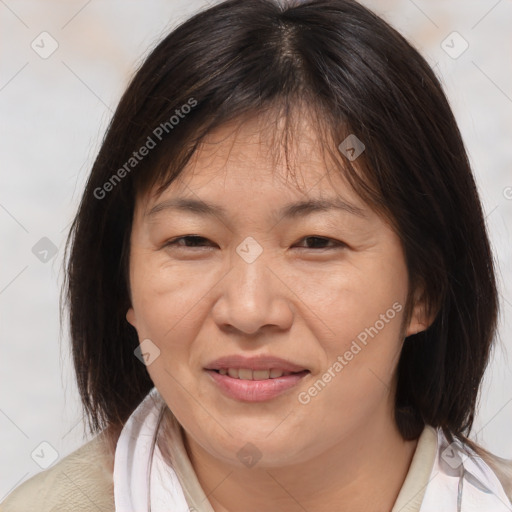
(130, 317)
(419, 320)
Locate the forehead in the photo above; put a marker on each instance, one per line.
(262, 157)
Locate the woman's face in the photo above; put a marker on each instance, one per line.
(323, 289)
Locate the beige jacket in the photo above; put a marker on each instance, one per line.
(82, 481)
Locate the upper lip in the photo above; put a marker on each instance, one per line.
(254, 363)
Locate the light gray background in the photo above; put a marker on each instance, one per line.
(54, 112)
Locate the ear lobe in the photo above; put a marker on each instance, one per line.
(130, 317)
(420, 320)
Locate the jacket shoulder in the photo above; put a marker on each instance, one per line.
(81, 481)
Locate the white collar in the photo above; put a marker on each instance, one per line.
(134, 467)
(460, 481)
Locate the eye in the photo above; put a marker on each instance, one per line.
(319, 242)
(312, 242)
(193, 240)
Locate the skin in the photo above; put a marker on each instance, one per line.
(340, 451)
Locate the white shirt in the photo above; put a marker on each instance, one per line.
(443, 477)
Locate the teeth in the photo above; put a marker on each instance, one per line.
(248, 374)
(260, 374)
(245, 374)
(233, 372)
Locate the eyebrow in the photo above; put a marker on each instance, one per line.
(289, 211)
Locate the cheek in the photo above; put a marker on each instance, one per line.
(169, 307)
(369, 291)
(361, 311)
(165, 296)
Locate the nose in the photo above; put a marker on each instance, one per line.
(253, 295)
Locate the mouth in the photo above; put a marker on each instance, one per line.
(250, 374)
(249, 385)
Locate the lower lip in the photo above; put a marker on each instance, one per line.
(255, 390)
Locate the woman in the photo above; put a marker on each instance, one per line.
(280, 284)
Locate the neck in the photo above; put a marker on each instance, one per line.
(363, 472)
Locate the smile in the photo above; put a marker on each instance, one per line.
(249, 385)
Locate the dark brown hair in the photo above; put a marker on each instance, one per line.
(352, 73)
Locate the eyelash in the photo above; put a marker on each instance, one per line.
(336, 243)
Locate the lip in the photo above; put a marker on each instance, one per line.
(254, 363)
(255, 390)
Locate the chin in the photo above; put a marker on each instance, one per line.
(258, 451)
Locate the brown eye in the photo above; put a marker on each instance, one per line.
(188, 241)
(320, 242)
